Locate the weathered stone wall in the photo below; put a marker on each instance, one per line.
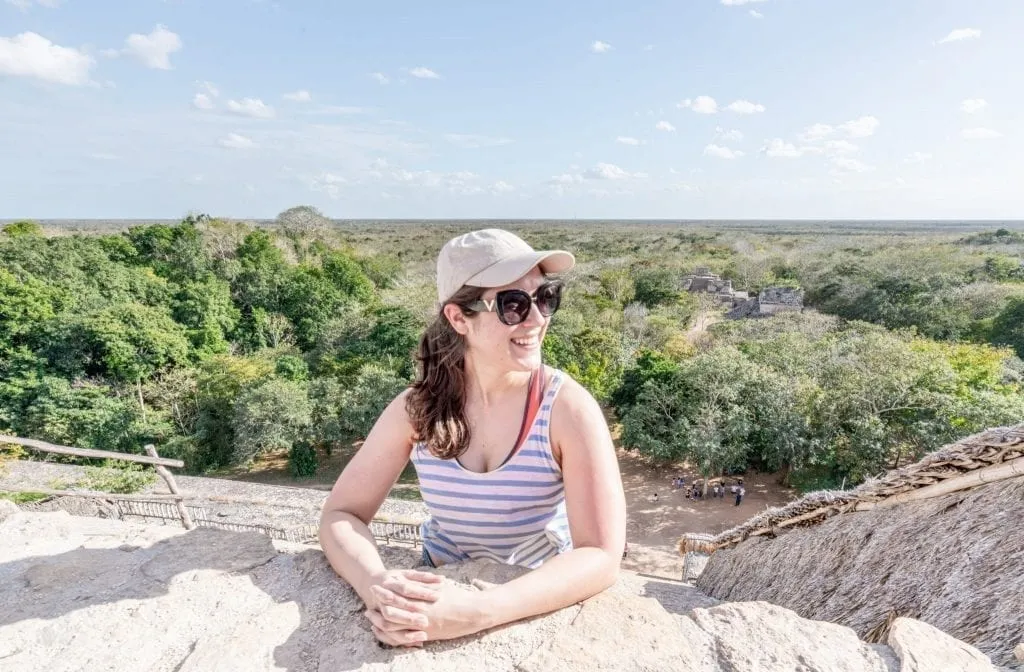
(87, 594)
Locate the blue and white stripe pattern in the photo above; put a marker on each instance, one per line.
(514, 514)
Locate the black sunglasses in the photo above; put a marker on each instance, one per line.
(513, 305)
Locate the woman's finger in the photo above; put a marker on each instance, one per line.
(391, 619)
(403, 618)
(400, 638)
(387, 597)
(413, 590)
(423, 577)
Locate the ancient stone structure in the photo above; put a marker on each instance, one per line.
(769, 301)
(90, 594)
(703, 281)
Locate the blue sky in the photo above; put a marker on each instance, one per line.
(460, 109)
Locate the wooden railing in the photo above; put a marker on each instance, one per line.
(386, 530)
(161, 464)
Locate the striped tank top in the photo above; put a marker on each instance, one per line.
(514, 514)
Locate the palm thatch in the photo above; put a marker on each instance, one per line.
(954, 560)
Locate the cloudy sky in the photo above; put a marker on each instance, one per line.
(463, 108)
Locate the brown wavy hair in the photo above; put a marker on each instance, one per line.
(437, 398)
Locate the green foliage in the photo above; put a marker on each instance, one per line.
(291, 367)
(594, 357)
(650, 366)
(383, 270)
(116, 476)
(269, 417)
(24, 227)
(219, 341)
(827, 403)
(23, 497)
(302, 460)
(126, 342)
(81, 413)
(654, 287)
(1008, 326)
(343, 413)
(221, 381)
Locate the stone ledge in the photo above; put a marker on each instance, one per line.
(94, 594)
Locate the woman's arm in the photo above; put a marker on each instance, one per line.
(596, 507)
(357, 495)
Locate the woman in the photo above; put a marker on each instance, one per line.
(514, 458)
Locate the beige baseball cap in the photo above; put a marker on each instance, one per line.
(492, 258)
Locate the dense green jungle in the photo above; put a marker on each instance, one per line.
(224, 342)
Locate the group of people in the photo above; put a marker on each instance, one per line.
(717, 491)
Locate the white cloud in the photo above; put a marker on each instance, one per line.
(918, 157)
(328, 183)
(25, 5)
(236, 141)
(700, 105)
(841, 147)
(973, 105)
(609, 171)
(648, 47)
(300, 96)
(251, 107)
(153, 50)
(862, 127)
(209, 88)
(961, 34)
(104, 156)
(980, 134)
(745, 107)
(780, 149)
(469, 141)
(843, 164)
(32, 55)
(202, 101)
(626, 140)
(816, 132)
(756, 14)
(424, 73)
(722, 152)
(565, 178)
(380, 77)
(665, 126)
(728, 136)
(734, 3)
(501, 187)
(599, 47)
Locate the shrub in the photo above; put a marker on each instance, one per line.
(302, 462)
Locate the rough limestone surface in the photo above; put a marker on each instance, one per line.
(924, 647)
(7, 508)
(89, 594)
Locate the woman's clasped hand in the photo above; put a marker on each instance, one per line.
(411, 607)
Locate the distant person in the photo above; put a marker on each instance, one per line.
(655, 496)
(557, 505)
(739, 495)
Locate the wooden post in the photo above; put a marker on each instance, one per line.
(186, 519)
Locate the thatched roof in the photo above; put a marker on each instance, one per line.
(954, 560)
(970, 460)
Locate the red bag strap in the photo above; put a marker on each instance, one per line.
(533, 401)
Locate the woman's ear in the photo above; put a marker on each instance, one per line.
(456, 318)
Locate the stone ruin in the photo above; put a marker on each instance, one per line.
(703, 281)
(769, 301)
(85, 594)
